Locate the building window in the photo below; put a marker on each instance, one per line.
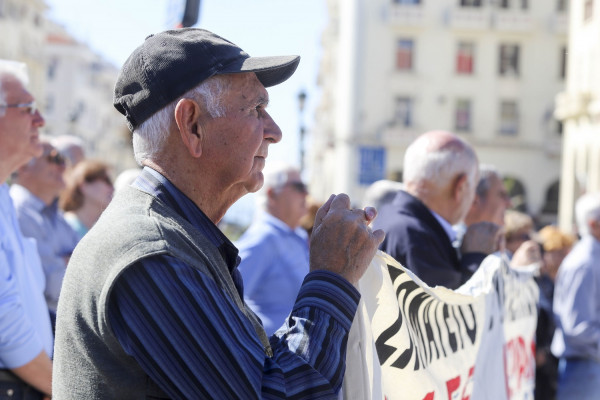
(462, 115)
(509, 60)
(470, 3)
(588, 10)
(464, 58)
(509, 118)
(404, 112)
(563, 62)
(404, 54)
(512, 3)
(52, 65)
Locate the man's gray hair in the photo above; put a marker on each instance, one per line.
(381, 192)
(150, 136)
(276, 175)
(587, 209)
(439, 166)
(16, 69)
(487, 173)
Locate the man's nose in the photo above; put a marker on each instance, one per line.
(38, 120)
(272, 131)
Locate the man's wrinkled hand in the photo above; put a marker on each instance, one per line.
(342, 241)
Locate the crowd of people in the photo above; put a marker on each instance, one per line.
(156, 301)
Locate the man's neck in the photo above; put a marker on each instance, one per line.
(203, 195)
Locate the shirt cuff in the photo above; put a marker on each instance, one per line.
(331, 293)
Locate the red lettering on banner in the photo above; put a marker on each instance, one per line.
(429, 396)
(453, 385)
(518, 364)
(469, 379)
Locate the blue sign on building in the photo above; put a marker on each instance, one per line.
(372, 164)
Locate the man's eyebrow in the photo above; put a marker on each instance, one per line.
(262, 100)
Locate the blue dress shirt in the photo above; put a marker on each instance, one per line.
(274, 264)
(194, 342)
(24, 321)
(54, 236)
(577, 303)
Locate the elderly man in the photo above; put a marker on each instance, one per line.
(152, 300)
(577, 308)
(491, 198)
(25, 332)
(35, 190)
(440, 172)
(274, 249)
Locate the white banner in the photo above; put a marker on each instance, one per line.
(410, 341)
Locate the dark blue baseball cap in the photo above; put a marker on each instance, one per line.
(170, 63)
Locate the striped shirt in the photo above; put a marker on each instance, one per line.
(194, 342)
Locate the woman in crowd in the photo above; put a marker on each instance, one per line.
(88, 191)
(556, 244)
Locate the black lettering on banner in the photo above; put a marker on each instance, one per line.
(451, 336)
(385, 351)
(439, 326)
(431, 343)
(413, 312)
(471, 331)
(421, 314)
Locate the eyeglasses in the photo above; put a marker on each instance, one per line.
(299, 186)
(54, 157)
(30, 107)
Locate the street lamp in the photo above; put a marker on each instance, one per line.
(301, 101)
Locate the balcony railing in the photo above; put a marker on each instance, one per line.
(470, 18)
(512, 21)
(406, 14)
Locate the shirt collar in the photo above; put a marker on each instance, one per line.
(446, 225)
(22, 195)
(154, 183)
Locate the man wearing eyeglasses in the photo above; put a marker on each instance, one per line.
(25, 331)
(35, 190)
(274, 249)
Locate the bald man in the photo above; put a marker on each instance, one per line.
(440, 176)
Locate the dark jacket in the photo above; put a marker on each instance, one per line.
(416, 240)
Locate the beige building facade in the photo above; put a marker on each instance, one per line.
(579, 107)
(72, 84)
(488, 71)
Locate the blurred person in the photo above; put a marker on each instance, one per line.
(556, 244)
(274, 249)
(440, 175)
(35, 190)
(126, 178)
(71, 147)
(381, 192)
(518, 229)
(152, 299)
(577, 308)
(26, 345)
(308, 221)
(87, 193)
(491, 198)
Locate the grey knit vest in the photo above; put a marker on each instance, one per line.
(89, 362)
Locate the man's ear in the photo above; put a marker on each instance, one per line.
(460, 187)
(187, 117)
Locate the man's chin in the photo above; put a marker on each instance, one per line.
(36, 148)
(255, 185)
